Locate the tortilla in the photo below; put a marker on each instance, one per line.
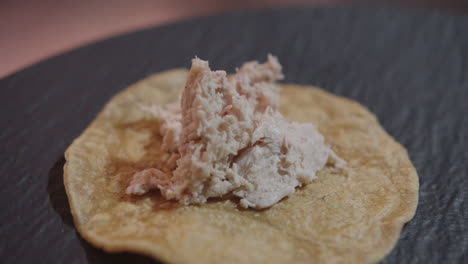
(352, 216)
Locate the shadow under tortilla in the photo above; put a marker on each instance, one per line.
(59, 200)
(57, 195)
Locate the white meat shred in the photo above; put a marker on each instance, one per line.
(227, 137)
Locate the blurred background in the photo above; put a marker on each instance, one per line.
(32, 30)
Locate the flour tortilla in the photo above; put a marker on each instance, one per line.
(352, 216)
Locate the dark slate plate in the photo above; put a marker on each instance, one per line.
(408, 67)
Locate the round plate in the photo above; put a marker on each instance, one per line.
(409, 67)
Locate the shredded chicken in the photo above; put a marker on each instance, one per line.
(228, 137)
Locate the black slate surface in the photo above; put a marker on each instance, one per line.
(409, 67)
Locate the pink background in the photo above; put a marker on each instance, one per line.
(32, 30)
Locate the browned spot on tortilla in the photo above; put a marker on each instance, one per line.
(153, 157)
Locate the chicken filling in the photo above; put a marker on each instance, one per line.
(227, 137)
